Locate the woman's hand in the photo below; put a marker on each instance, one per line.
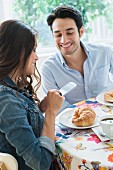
(54, 101)
(53, 98)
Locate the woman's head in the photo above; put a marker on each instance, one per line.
(17, 42)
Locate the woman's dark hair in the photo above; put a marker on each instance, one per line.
(17, 40)
(65, 12)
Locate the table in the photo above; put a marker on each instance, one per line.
(82, 149)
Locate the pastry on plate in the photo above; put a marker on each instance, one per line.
(84, 116)
(108, 96)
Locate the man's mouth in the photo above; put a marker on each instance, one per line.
(66, 45)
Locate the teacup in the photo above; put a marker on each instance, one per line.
(106, 123)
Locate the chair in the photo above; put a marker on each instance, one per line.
(8, 162)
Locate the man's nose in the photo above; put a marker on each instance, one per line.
(63, 39)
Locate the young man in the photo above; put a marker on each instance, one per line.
(90, 66)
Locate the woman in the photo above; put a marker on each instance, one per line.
(24, 133)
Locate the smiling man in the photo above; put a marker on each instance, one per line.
(89, 65)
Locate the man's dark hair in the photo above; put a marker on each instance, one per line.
(65, 12)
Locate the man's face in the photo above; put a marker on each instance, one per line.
(66, 35)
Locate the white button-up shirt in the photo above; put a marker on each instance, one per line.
(98, 73)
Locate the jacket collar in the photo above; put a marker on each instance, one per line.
(9, 81)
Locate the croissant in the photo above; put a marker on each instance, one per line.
(108, 96)
(84, 116)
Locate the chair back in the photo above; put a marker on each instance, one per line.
(8, 162)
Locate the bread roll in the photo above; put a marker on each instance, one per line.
(83, 116)
(108, 96)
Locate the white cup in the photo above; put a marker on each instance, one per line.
(106, 123)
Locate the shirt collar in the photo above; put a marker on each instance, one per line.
(85, 48)
(61, 58)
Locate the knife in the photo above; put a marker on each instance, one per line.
(67, 88)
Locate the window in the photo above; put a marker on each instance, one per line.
(97, 17)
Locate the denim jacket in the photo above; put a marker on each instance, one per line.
(21, 123)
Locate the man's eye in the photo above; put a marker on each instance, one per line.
(58, 35)
(69, 33)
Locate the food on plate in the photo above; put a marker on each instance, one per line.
(108, 96)
(83, 116)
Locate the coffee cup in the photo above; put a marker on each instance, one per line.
(106, 123)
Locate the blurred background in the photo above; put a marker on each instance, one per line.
(97, 17)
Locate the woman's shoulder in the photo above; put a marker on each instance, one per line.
(7, 91)
(11, 100)
(10, 95)
(13, 97)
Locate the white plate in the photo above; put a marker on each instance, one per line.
(100, 99)
(65, 118)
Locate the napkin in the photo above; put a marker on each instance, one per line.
(99, 132)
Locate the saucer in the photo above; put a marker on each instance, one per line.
(99, 132)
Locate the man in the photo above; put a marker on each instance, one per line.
(90, 66)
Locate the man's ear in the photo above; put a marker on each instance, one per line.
(81, 31)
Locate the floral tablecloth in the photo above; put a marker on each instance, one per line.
(79, 149)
